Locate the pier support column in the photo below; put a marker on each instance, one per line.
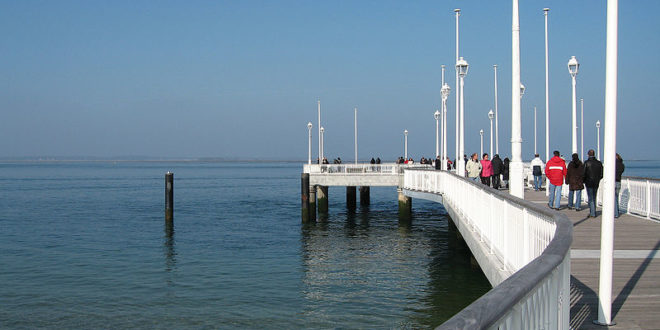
(322, 199)
(364, 195)
(304, 197)
(351, 197)
(312, 203)
(405, 206)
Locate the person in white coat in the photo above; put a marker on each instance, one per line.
(537, 170)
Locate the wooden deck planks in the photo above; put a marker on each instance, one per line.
(636, 282)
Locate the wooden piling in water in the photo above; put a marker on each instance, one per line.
(322, 199)
(351, 198)
(304, 196)
(169, 196)
(365, 198)
(312, 203)
(405, 206)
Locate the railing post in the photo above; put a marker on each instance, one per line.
(648, 199)
(525, 237)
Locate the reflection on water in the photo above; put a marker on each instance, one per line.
(387, 273)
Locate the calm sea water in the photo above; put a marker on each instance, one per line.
(84, 245)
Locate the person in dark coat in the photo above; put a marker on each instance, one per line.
(498, 167)
(575, 182)
(617, 183)
(378, 160)
(438, 163)
(593, 172)
(505, 171)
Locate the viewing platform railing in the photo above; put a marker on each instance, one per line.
(359, 169)
(530, 245)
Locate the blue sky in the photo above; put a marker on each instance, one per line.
(241, 78)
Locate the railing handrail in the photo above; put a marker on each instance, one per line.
(639, 178)
(494, 305)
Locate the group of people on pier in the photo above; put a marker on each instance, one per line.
(578, 176)
(488, 171)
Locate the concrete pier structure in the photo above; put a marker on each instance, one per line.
(351, 197)
(365, 198)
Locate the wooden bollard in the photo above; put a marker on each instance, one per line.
(304, 196)
(350, 198)
(169, 196)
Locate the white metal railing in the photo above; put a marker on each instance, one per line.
(530, 243)
(639, 196)
(361, 169)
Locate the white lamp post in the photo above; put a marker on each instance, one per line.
(547, 95)
(405, 143)
(535, 130)
(458, 155)
(322, 130)
(356, 144)
(309, 144)
(582, 128)
(598, 139)
(573, 67)
(481, 135)
(516, 183)
(320, 141)
(445, 94)
(436, 115)
(490, 116)
(497, 133)
(607, 217)
(462, 69)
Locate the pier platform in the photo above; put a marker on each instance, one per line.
(636, 277)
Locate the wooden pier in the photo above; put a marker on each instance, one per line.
(636, 277)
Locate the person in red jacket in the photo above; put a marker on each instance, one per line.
(555, 171)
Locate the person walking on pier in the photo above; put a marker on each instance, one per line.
(617, 183)
(575, 182)
(498, 167)
(537, 170)
(486, 170)
(555, 171)
(473, 168)
(593, 172)
(438, 163)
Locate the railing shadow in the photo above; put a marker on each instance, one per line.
(632, 282)
(584, 304)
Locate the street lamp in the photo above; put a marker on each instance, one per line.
(436, 115)
(322, 130)
(405, 143)
(516, 184)
(309, 144)
(462, 69)
(522, 90)
(481, 149)
(491, 115)
(598, 139)
(445, 94)
(573, 67)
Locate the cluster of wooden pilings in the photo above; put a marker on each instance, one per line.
(315, 200)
